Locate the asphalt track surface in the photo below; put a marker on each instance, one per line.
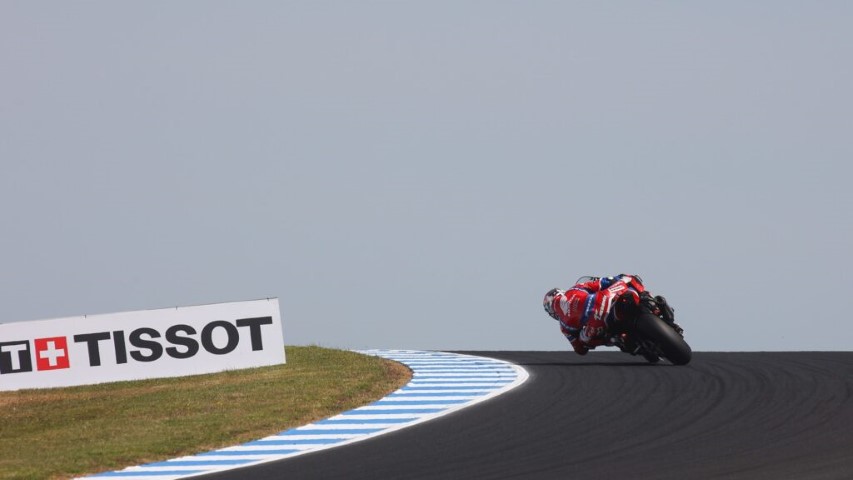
(786, 415)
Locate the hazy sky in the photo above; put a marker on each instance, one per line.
(418, 174)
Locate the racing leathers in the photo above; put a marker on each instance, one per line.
(588, 311)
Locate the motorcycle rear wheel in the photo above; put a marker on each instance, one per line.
(670, 343)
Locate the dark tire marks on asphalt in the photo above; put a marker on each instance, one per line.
(610, 415)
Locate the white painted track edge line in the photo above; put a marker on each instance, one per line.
(521, 376)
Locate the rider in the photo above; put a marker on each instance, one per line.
(589, 311)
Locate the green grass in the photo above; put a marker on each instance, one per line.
(66, 432)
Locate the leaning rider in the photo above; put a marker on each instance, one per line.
(589, 311)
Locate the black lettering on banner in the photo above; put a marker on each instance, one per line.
(121, 347)
(15, 357)
(190, 343)
(254, 325)
(137, 341)
(207, 337)
(92, 340)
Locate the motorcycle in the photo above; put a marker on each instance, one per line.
(651, 332)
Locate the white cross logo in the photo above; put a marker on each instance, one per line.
(52, 353)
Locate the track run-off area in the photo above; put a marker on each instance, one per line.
(609, 415)
(441, 383)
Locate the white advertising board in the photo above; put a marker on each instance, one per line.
(169, 342)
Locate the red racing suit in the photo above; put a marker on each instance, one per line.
(586, 312)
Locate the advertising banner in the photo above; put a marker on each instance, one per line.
(169, 342)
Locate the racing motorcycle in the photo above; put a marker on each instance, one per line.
(651, 331)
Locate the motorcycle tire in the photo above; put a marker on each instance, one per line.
(670, 343)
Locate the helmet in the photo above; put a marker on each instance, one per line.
(548, 302)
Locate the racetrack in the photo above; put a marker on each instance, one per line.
(610, 415)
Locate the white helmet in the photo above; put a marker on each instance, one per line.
(548, 301)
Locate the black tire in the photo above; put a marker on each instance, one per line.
(671, 344)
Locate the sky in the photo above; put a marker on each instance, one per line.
(407, 174)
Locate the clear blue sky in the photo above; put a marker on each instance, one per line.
(418, 174)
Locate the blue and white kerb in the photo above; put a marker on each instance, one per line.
(441, 383)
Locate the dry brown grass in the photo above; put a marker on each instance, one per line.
(60, 433)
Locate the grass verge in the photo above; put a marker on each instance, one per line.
(66, 432)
